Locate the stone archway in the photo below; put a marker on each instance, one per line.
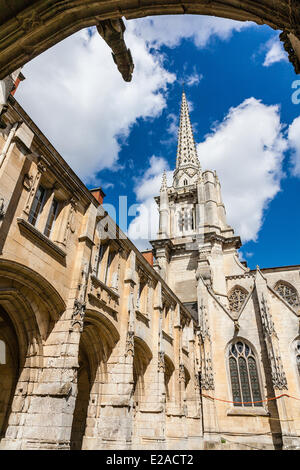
(29, 308)
(30, 27)
(97, 341)
(84, 385)
(9, 368)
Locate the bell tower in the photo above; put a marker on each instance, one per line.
(194, 238)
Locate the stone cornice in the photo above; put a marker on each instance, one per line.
(55, 161)
(37, 236)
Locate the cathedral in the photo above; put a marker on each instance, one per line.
(103, 347)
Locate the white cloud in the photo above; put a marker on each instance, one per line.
(82, 103)
(246, 150)
(144, 226)
(193, 79)
(294, 144)
(78, 86)
(275, 52)
(170, 30)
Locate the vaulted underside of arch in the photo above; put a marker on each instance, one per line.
(30, 27)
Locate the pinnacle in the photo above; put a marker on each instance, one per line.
(164, 185)
(186, 150)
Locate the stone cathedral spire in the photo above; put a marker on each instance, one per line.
(187, 162)
(192, 217)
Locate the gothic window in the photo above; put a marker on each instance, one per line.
(244, 375)
(193, 219)
(51, 217)
(288, 293)
(237, 297)
(37, 205)
(185, 182)
(110, 258)
(99, 260)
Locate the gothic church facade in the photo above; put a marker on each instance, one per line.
(101, 349)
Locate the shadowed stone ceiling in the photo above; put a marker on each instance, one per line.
(29, 27)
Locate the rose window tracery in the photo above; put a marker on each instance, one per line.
(237, 298)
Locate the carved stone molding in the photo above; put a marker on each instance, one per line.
(161, 361)
(293, 58)
(203, 323)
(70, 225)
(78, 315)
(181, 375)
(271, 339)
(29, 21)
(112, 31)
(207, 376)
(129, 348)
(267, 321)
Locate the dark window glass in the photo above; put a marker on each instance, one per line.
(236, 393)
(254, 381)
(51, 218)
(109, 261)
(244, 381)
(37, 205)
(244, 375)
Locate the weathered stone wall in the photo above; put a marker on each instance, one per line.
(90, 371)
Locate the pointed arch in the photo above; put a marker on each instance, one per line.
(98, 338)
(141, 360)
(288, 292)
(237, 297)
(244, 374)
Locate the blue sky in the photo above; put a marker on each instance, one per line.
(122, 135)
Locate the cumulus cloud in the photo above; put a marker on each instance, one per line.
(275, 52)
(170, 30)
(247, 151)
(80, 100)
(144, 226)
(91, 108)
(294, 144)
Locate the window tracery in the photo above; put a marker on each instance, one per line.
(244, 375)
(288, 293)
(237, 299)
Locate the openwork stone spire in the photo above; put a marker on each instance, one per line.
(164, 185)
(186, 150)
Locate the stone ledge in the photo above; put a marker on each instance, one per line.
(40, 238)
(241, 411)
(101, 284)
(167, 337)
(142, 317)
